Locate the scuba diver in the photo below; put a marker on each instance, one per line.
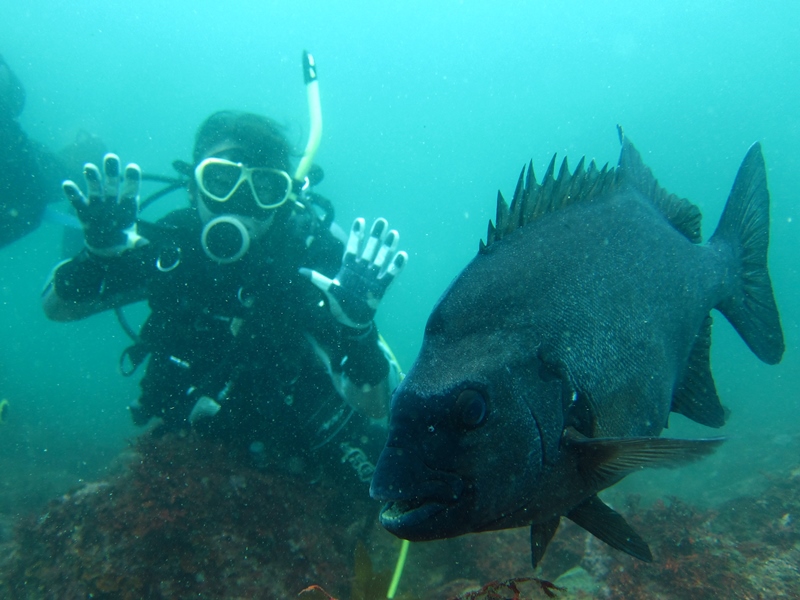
(30, 174)
(261, 327)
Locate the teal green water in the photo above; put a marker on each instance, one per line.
(429, 108)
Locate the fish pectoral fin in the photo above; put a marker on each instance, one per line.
(541, 534)
(696, 396)
(604, 461)
(609, 526)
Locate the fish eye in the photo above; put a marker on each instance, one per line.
(471, 408)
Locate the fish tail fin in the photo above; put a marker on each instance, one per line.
(744, 231)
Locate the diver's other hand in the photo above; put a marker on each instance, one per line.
(204, 408)
(368, 267)
(108, 215)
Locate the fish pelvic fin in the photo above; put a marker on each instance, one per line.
(604, 461)
(743, 230)
(696, 396)
(541, 534)
(609, 526)
(682, 214)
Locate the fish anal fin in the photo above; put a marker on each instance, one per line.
(604, 461)
(696, 396)
(541, 534)
(609, 526)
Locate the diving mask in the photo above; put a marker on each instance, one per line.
(219, 179)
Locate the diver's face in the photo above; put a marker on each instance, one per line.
(230, 195)
(231, 180)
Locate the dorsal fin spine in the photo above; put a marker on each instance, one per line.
(490, 235)
(501, 218)
(518, 201)
(532, 200)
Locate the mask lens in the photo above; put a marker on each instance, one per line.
(271, 187)
(218, 180)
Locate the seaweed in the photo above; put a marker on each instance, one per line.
(192, 518)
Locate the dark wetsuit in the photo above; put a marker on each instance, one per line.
(30, 175)
(253, 335)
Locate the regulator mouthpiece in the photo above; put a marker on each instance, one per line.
(225, 239)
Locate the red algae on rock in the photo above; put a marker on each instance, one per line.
(746, 548)
(189, 518)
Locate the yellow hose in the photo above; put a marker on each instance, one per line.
(401, 560)
(398, 570)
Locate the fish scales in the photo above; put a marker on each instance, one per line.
(550, 365)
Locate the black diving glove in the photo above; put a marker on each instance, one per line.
(368, 267)
(108, 216)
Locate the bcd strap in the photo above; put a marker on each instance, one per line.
(132, 357)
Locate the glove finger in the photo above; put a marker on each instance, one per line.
(396, 266)
(94, 182)
(129, 196)
(318, 279)
(75, 197)
(111, 169)
(354, 241)
(388, 248)
(374, 241)
(393, 270)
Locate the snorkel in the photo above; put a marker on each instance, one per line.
(226, 238)
(314, 115)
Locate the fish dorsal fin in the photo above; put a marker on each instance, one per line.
(532, 199)
(696, 396)
(682, 214)
(608, 525)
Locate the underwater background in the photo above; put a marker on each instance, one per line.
(429, 108)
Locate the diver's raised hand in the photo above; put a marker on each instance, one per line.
(108, 215)
(368, 267)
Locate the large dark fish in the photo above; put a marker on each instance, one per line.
(551, 364)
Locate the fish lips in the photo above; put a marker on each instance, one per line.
(414, 494)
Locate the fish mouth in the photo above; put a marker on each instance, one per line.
(416, 496)
(405, 517)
